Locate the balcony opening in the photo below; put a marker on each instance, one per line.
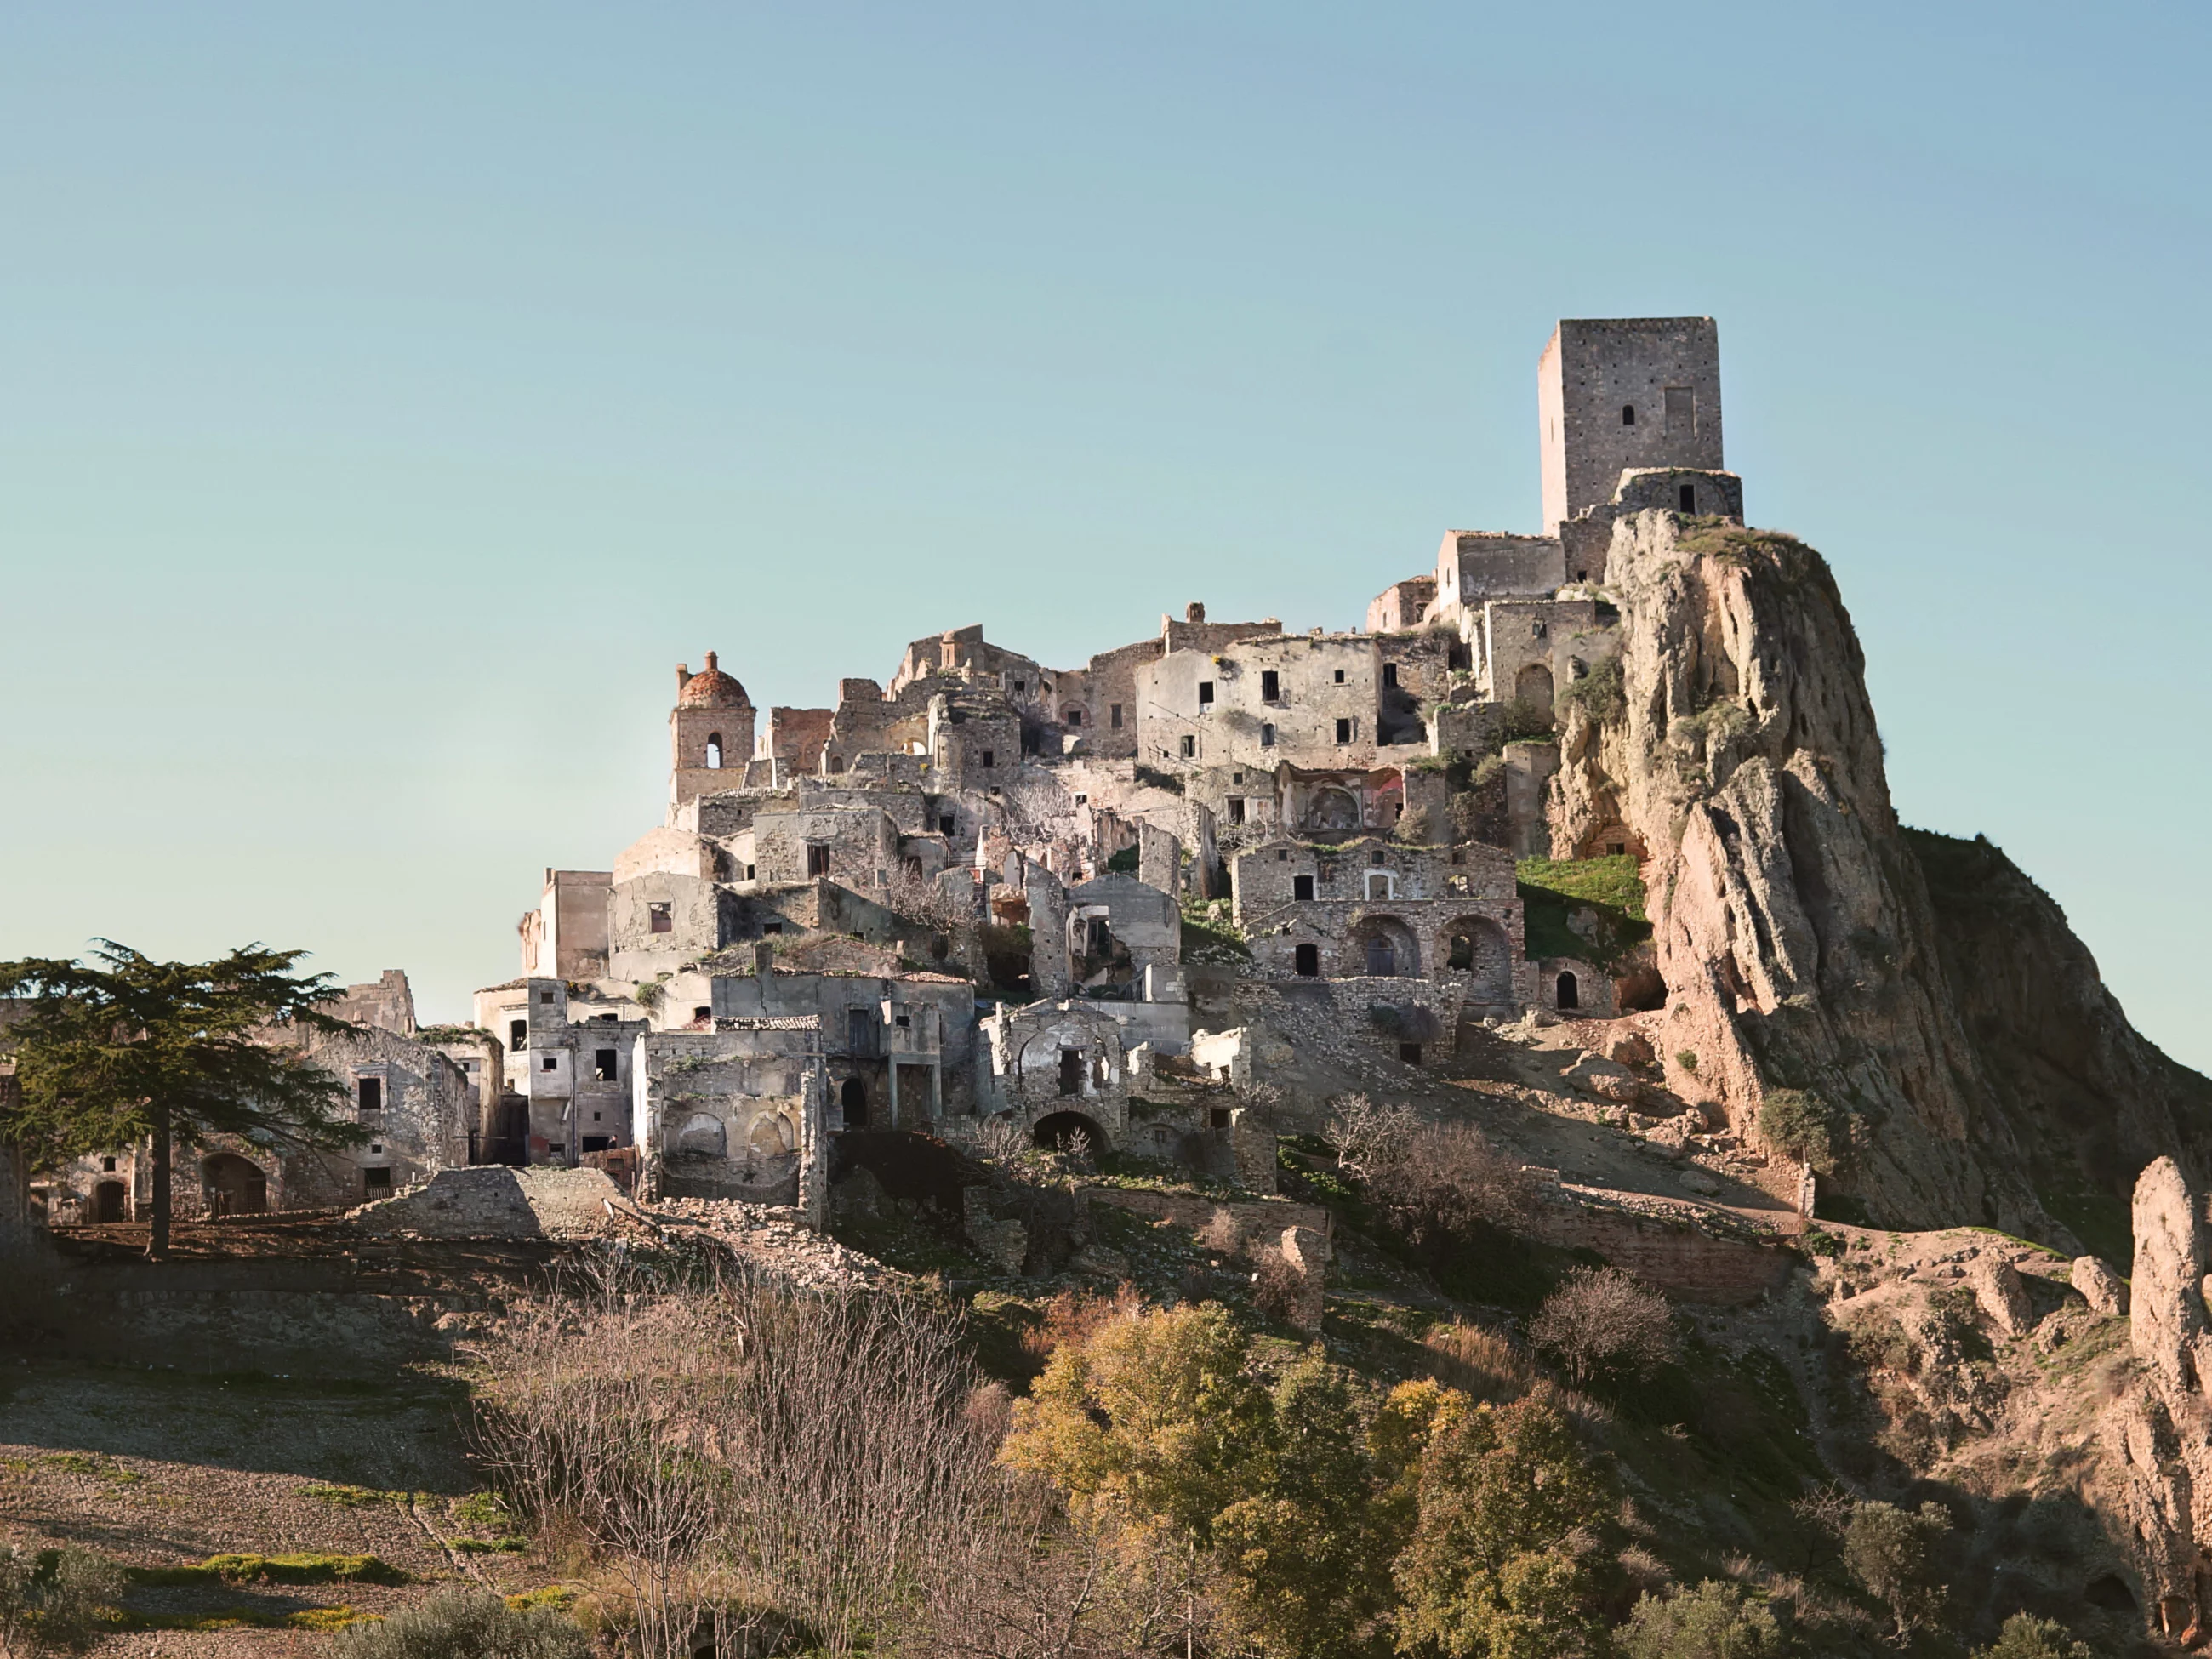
(603, 1065)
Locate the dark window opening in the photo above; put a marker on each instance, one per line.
(376, 1181)
(1271, 686)
(595, 1143)
(371, 1091)
(1282, 855)
(1581, 575)
(545, 996)
(854, 1097)
(1216, 1117)
(1382, 959)
(1343, 731)
(1075, 717)
(904, 1022)
(1302, 887)
(818, 858)
(990, 760)
(518, 1034)
(1615, 849)
(107, 1163)
(770, 929)
(1376, 858)
(1410, 1053)
(663, 918)
(1570, 994)
(1628, 414)
(1190, 748)
(1306, 960)
(702, 1013)
(1206, 694)
(1463, 953)
(836, 763)
(1021, 686)
(945, 823)
(1689, 498)
(1266, 737)
(1390, 675)
(1114, 716)
(550, 1063)
(1071, 1071)
(603, 1065)
(1339, 677)
(1237, 809)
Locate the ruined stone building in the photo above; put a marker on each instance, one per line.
(960, 894)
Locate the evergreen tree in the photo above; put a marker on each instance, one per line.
(127, 1049)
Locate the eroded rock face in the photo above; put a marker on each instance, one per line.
(1795, 924)
(2100, 1287)
(2166, 1294)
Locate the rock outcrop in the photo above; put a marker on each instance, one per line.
(1977, 1070)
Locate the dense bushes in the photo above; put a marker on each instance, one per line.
(459, 1624)
(1803, 1125)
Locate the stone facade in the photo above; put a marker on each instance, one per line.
(1622, 393)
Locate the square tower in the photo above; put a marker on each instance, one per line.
(1617, 392)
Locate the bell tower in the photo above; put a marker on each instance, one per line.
(710, 732)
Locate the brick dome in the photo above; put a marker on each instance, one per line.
(712, 690)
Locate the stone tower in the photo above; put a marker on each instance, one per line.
(710, 728)
(1613, 393)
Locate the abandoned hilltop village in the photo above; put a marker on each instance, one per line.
(1584, 837)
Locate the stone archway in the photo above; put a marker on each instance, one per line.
(1533, 686)
(233, 1185)
(1333, 810)
(1567, 991)
(1056, 1132)
(701, 1136)
(1382, 947)
(853, 1096)
(1479, 945)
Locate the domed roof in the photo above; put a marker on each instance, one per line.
(712, 690)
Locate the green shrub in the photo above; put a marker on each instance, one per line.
(1604, 897)
(53, 1601)
(1523, 721)
(1687, 1059)
(1123, 862)
(466, 1624)
(1599, 692)
(1805, 1126)
(2027, 1637)
(1713, 1621)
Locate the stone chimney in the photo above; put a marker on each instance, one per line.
(682, 678)
(1194, 611)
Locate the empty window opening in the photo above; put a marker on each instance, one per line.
(596, 1116)
(1343, 731)
(904, 1022)
(518, 1034)
(770, 929)
(1302, 887)
(1237, 809)
(1190, 748)
(1271, 686)
(1021, 686)
(1628, 414)
(1306, 960)
(748, 872)
(1206, 694)
(854, 1097)
(1075, 717)
(1615, 849)
(990, 760)
(1681, 410)
(1381, 884)
(818, 858)
(1463, 953)
(1216, 1117)
(1114, 716)
(1266, 737)
(705, 1014)
(371, 1091)
(1375, 857)
(545, 996)
(376, 1181)
(1236, 777)
(1581, 575)
(1689, 493)
(550, 1063)
(1537, 630)
(714, 750)
(603, 1065)
(1071, 1071)
(107, 1163)
(1570, 994)
(1390, 675)
(945, 822)
(1410, 1053)
(663, 919)
(1339, 677)
(1282, 855)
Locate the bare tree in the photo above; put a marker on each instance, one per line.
(1601, 1322)
(1367, 1138)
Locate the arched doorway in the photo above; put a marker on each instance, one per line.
(1056, 1132)
(1384, 948)
(108, 1201)
(233, 1186)
(1306, 960)
(1569, 993)
(1533, 686)
(854, 1097)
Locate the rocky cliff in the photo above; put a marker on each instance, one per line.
(1923, 991)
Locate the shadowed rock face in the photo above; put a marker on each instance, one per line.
(1956, 1023)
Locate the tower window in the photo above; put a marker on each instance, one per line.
(945, 822)
(714, 750)
(1343, 731)
(989, 760)
(1689, 498)
(1114, 716)
(1628, 414)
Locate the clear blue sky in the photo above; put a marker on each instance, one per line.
(394, 394)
